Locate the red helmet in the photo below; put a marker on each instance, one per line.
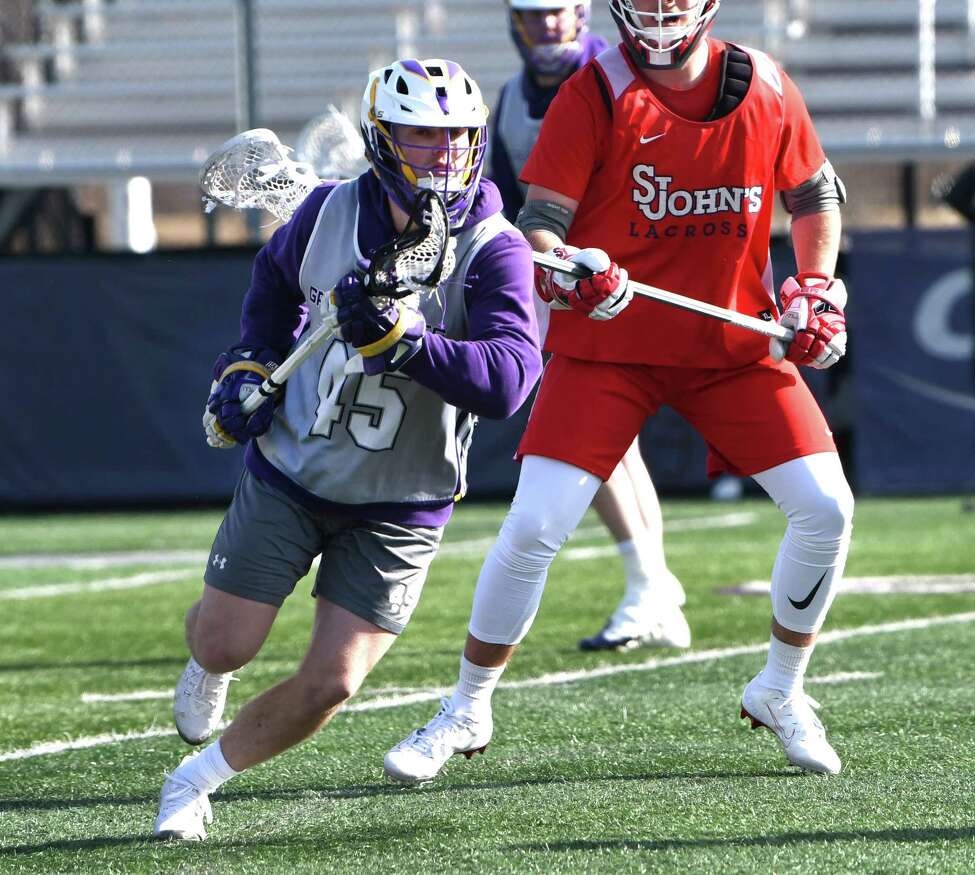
(665, 37)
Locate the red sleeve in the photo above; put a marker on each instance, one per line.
(566, 151)
(800, 154)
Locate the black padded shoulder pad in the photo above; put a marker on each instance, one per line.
(736, 76)
(603, 89)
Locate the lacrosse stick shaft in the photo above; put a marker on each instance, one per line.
(273, 384)
(712, 311)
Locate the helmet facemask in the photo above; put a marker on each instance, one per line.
(433, 96)
(545, 50)
(663, 35)
(451, 167)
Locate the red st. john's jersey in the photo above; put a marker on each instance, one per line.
(682, 205)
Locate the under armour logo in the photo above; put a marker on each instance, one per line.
(219, 561)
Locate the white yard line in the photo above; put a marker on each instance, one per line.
(134, 581)
(470, 547)
(566, 677)
(136, 696)
(914, 584)
(46, 747)
(116, 559)
(842, 677)
(100, 561)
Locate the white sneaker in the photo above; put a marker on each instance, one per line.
(419, 757)
(662, 625)
(794, 723)
(184, 811)
(672, 590)
(199, 702)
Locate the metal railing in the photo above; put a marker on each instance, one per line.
(79, 37)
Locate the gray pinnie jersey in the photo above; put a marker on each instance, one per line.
(515, 126)
(354, 439)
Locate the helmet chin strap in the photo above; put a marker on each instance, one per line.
(666, 61)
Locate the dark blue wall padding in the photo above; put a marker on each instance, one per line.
(912, 334)
(108, 361)
(113, 356)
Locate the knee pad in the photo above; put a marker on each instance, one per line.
(551, 499)
(530, 537)
(818, 504)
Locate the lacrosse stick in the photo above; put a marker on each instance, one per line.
(253, 171)
(413, 264)
(712, 311)
(331, 145)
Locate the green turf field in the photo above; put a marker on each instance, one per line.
(646, 768)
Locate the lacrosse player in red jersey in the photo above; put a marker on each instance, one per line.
(554, 42)
(662, 158)
(363, 460)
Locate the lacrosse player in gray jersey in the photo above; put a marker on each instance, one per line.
(363, 459)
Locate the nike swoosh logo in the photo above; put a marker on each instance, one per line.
(807, 601)
(645, 140)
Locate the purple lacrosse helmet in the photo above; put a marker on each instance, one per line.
(425, 94)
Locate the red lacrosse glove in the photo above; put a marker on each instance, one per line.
(812, 306)
(601, 296)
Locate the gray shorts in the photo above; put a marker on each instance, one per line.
(267, 543)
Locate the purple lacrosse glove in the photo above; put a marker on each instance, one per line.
(386, 337)
(236, 374)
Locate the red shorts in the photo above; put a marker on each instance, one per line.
(753, 417)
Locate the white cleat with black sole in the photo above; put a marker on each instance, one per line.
(792, 719)
(184, 811)
(419, 757)
(199, 702)
(662, 625)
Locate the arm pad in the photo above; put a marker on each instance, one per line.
(822, 192)
(545, 216)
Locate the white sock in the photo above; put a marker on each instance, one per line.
(786, 666)
(475, 686)
(207, 770)
(644, 571)
(638, 564)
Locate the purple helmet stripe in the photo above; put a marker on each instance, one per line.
(414, 66)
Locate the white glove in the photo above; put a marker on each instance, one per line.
(812, 306)
(216, 436)
(601, 296)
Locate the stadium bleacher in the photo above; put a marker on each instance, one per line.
(150, 86)
(97, 91)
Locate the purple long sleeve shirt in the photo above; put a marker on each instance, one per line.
(490, 373)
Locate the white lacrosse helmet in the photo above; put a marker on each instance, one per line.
(543, 52)
(665, 37)
(432, 93)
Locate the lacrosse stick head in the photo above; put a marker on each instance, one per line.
(420, 258)
(434, 94)
(332, 146)
(254, 171)
(547, 48)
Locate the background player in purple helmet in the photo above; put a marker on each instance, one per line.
(364, 458)
(554, 41)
